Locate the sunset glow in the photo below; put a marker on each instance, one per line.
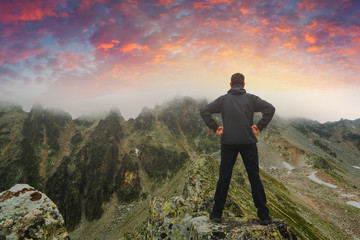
(84, 56)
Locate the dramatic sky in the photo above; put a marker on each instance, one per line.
(86, 56)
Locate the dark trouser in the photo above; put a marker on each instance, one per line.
(249, 154)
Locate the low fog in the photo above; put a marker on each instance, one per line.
(322, 106)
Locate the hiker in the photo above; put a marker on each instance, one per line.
(237, 110)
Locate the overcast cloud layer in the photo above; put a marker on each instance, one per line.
(84, 56)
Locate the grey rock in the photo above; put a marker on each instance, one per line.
(29, 214)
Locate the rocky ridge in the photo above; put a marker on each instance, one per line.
(26, 213)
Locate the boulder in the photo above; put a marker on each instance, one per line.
(26, 213)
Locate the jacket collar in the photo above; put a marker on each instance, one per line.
(237, 89)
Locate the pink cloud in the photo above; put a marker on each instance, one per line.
(307, 5)
(26, 10)
(210, 3)
(145, 36)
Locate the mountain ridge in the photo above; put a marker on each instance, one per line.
(85, 164)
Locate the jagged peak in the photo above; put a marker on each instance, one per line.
(146, 110)
(38, 108)
(114, 111)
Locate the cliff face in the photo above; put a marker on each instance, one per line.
(81, 164)
(93, 169)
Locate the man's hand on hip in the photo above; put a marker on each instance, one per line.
(220, 130)
(255, 129)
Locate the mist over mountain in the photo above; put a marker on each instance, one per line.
(102, 171)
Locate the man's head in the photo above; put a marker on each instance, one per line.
(237, 78)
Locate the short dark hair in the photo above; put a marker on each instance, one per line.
(237, 78)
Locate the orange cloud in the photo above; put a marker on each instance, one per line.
(159, 58)
(201, 5)
(283, 29)
(133, 46)
(313, 49)
(265, 21)
(310, 39)
(105, 46)
(181, 40)
(172, 47)
(165, 2)
(292, 44)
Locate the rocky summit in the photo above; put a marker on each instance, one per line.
(177, 218)
(187, 216)
(104, 173)
(26, 213)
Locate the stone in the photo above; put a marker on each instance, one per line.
(29, 214)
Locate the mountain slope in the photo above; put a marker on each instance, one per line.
(102, 172)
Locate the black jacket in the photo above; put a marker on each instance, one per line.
(237, 110)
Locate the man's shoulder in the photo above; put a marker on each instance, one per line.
(253, 97)
(246, 94)
(221, 97)
(251, 94)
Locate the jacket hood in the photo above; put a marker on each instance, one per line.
(237, 89)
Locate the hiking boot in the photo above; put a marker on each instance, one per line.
(215, 218)
(265, 221)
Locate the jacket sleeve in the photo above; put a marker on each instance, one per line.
(208, 110)
(267, 111)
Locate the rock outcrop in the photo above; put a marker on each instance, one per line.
(178, 218)
(187, 216)
(26, 213)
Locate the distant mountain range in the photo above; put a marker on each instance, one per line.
(101, 172)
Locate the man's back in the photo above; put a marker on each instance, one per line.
(237, 110)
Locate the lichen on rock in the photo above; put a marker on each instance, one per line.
(29, 214)
(179, 218)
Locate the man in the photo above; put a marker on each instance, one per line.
(237, 110)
